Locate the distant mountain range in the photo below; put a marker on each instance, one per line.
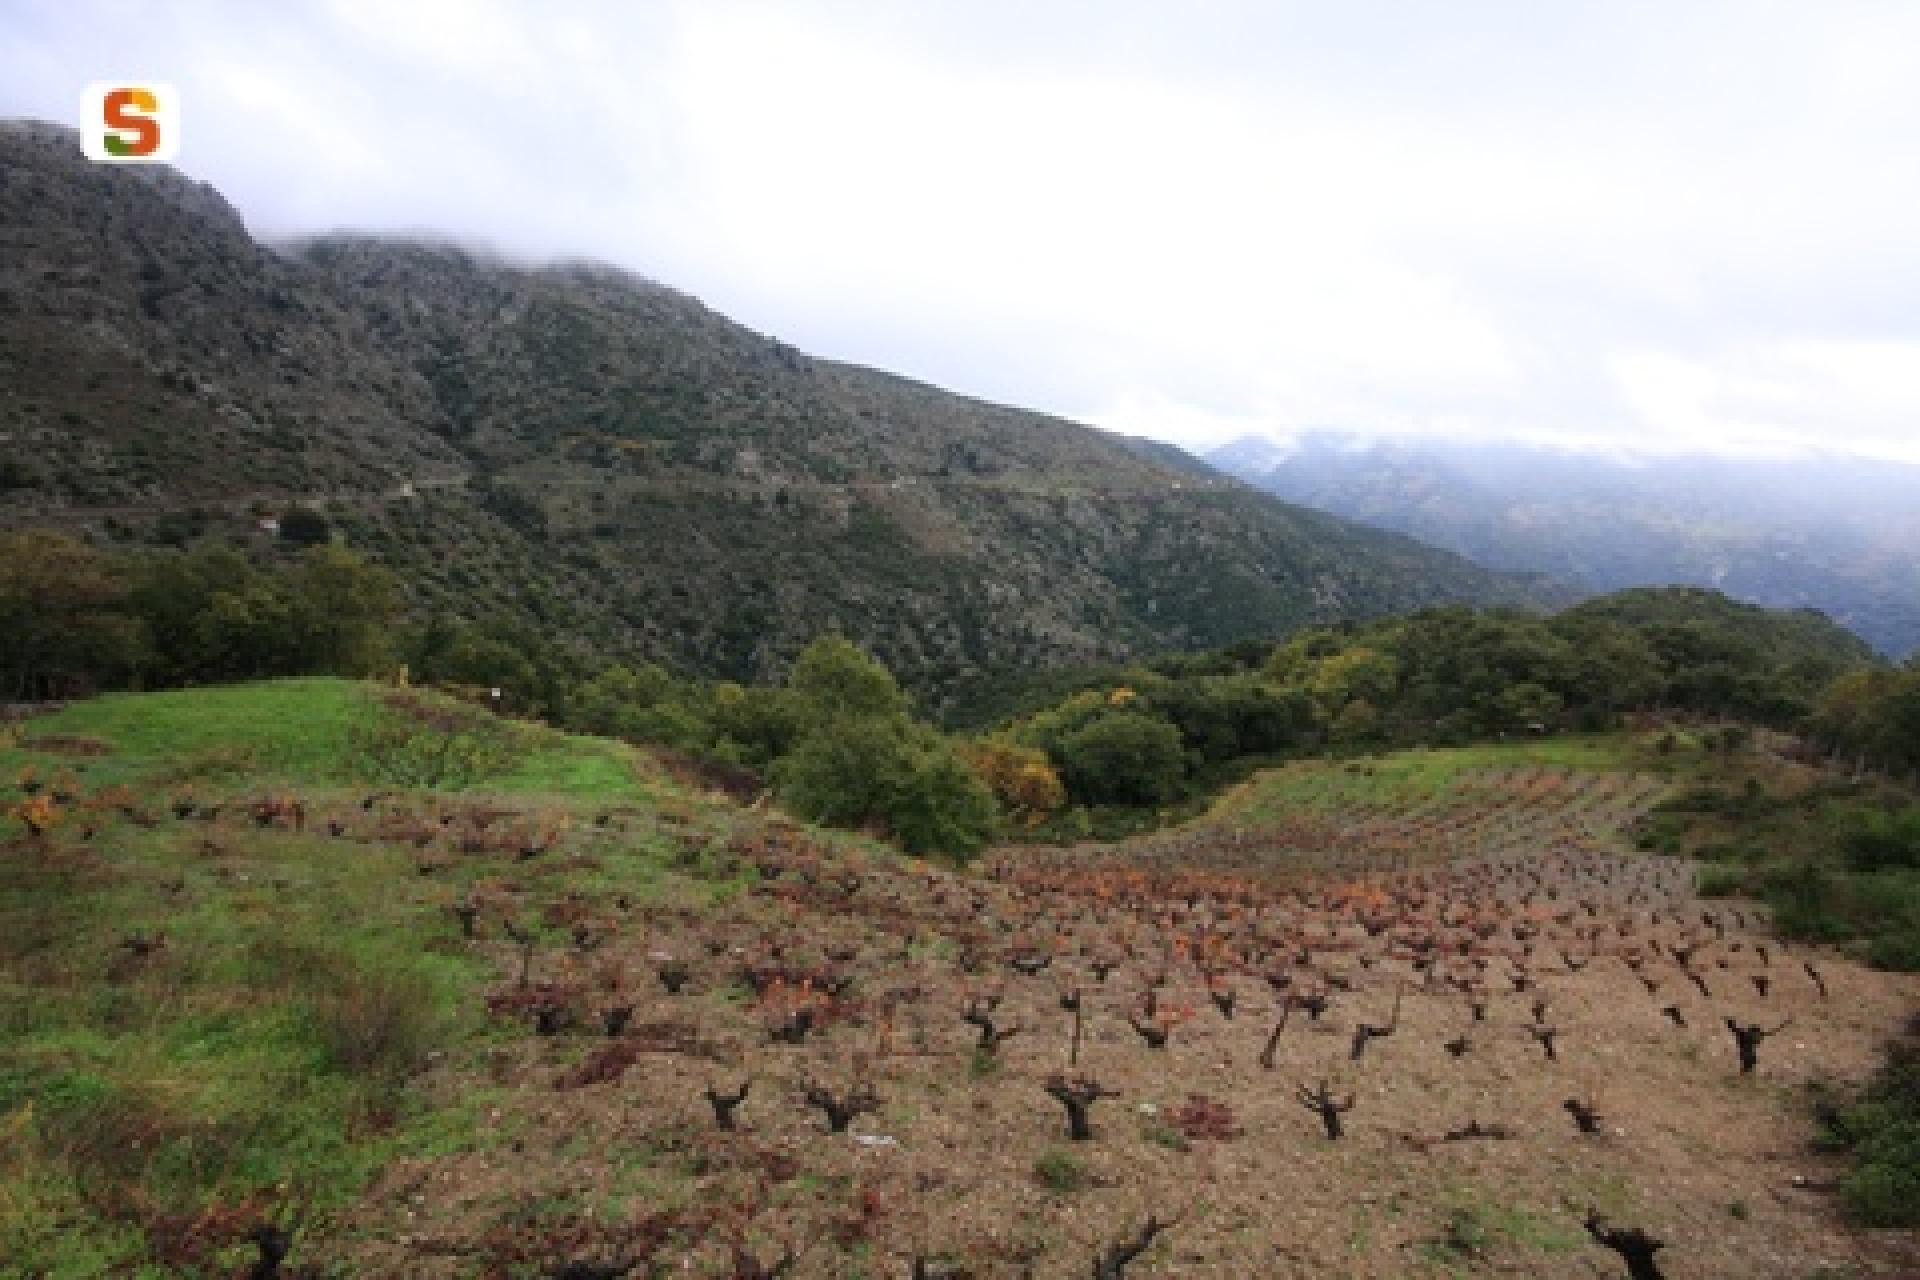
(575, 449)
(1837, 534)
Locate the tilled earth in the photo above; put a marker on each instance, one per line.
(596, 1151)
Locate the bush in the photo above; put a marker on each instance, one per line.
(378, 1022)
(305, 527)
(1895, 952)
(411, 741)
(101, 1124)
(1060, 1172)
(1124, 757)
(1720, 882)
(1882, 1130)
(944, 807)
(1021, 778)
(1879, 840)
(892, 773)
(1805, 904)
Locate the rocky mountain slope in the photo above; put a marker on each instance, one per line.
(574, 448)
(1838, 534)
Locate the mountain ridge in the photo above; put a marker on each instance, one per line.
(1835, 533)
(577, 449)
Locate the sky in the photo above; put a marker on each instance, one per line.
(1669, 226)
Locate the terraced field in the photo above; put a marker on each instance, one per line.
(1415, 808)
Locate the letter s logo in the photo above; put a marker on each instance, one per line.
(130, 122)
(130, 111)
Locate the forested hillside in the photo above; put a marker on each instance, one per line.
(577, 454)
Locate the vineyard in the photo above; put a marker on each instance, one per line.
(1422, 1014)
(1317, 818)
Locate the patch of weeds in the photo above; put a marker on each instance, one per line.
(1471, 1231)
(1720, 882)
(376, 1022)
(1162, 1134)
(1464, 1236)
(1880, 1128)
(1060, 1172)
(1535, 1232)
(479, 1121)
(213, 764)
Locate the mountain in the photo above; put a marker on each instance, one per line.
(573, 448)
(1838, 534)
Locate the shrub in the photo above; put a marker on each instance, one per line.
(416, 742)
(99, 1123)
(305, 527)
(376, 1021)
(1882, 1130)
(833, 677)
(1897, 952)
(1124, 757)
(1876, 841)
(1060, 1172)
(1021, 778)
(892, 773)
(1720, 882)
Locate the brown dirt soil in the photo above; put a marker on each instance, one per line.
(1716, 1164)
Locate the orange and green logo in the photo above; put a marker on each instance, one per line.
(130, 123)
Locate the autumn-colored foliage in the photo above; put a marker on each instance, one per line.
(1022, 779)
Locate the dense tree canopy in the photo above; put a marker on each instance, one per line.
(74, 618)
(64, 626)
(839, 738)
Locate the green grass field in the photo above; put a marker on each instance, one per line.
(1408, 779)
(293, 731)
(202, 1018)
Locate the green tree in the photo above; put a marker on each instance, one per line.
(754, 726)
(64, 628)
(1358, 722)
(1521, 706)
(888, 773)
(190, 639)
(253, 626)
(344, 611)
(1049, 730)
(1123, 757)
(1610, 668)
(834, 678)
(945, 807)
(616, 701)
(1361, 672)
(1875, 840)
(305, 527)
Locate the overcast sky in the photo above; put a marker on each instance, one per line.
(1656, 224)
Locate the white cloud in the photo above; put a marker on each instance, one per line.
(1633, 223)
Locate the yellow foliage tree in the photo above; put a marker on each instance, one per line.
(1021, 778)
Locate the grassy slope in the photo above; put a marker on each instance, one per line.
(262, 1051)
(1772, 828)
(1408, 776)
(294, 731)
